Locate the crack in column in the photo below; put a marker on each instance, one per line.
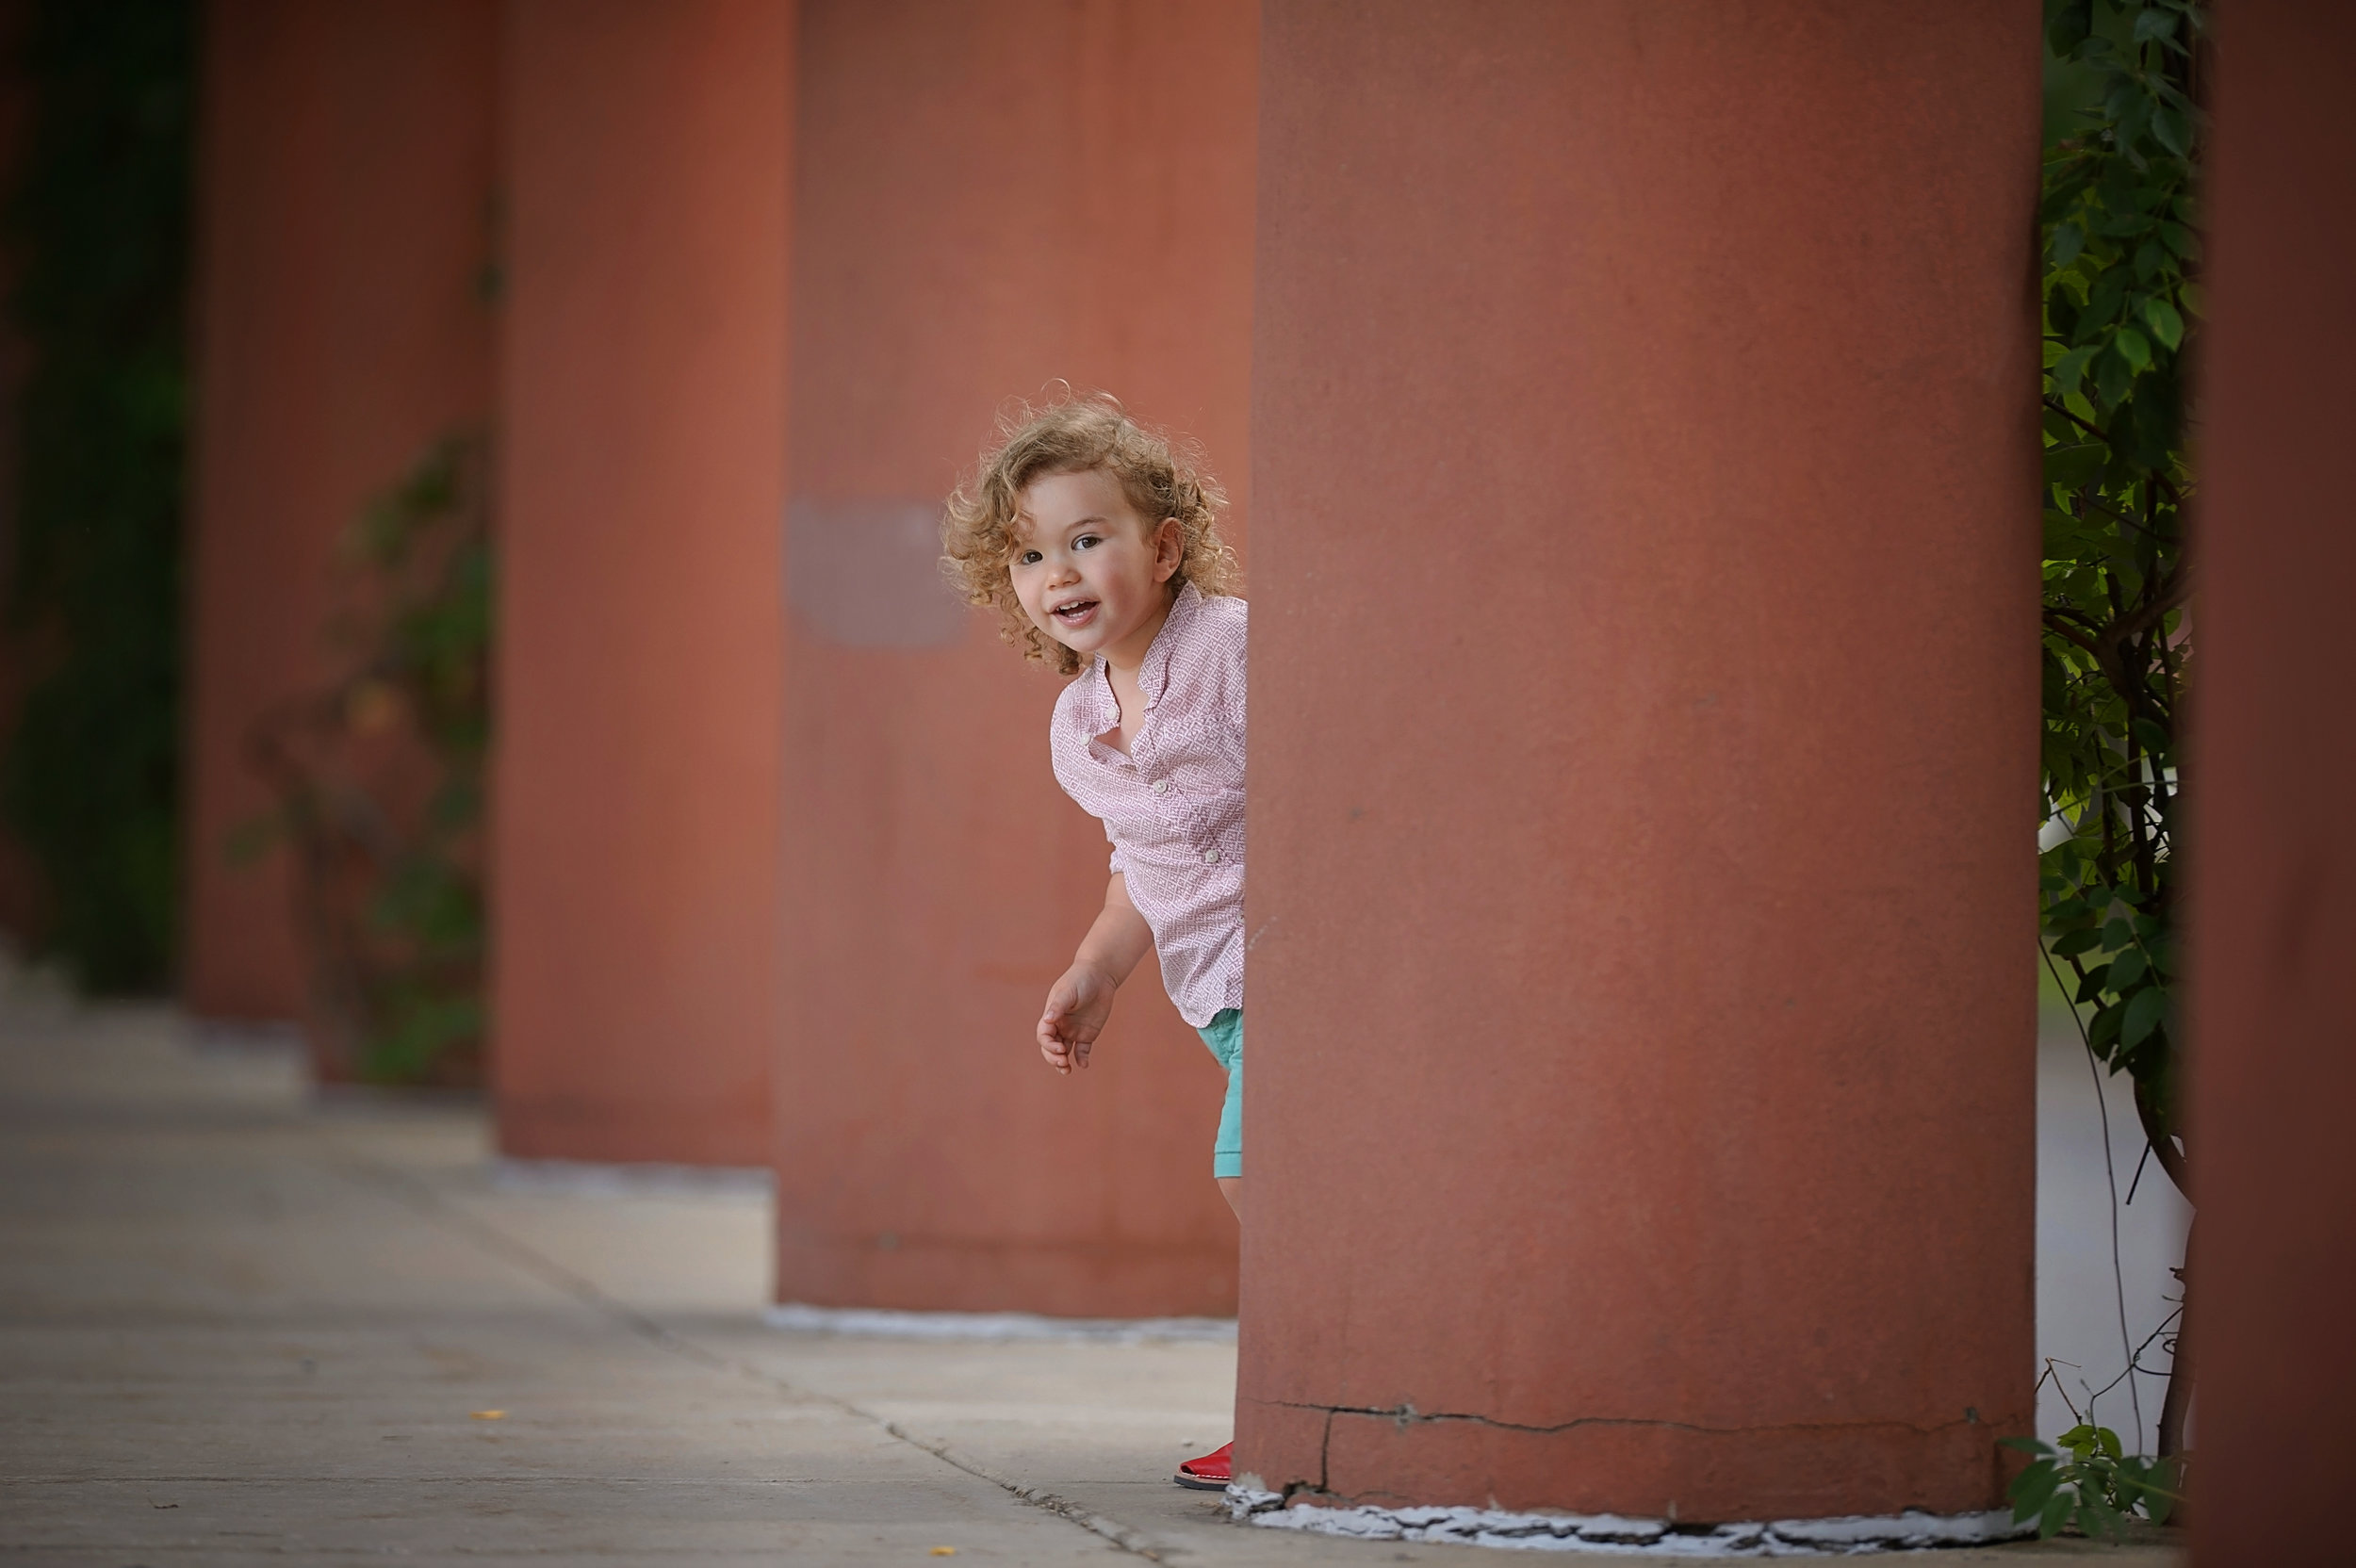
(1406, 1415)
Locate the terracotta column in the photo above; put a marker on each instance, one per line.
(344, 227)
(1643, 757)
(2274, 882)
(988, 198)
(634, 875)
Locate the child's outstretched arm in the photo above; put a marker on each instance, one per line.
(1078, 1003)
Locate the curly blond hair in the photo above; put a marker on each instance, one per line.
(1077, 435)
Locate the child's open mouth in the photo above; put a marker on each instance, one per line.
(1076, 613)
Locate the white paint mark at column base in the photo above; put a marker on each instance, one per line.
(1617, 1535)
(882, 1323)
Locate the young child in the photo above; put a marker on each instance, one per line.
(1099, 547)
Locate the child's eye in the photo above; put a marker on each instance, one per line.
(1028, 558)
(1086, 540)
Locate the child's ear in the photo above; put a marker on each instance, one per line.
(1169, 549)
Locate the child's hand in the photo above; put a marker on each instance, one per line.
(1077, 1005)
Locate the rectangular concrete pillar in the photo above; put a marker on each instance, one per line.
(640, 661)
(2273, 1034)
(1644, 769)
(988, 197)
(344, 227)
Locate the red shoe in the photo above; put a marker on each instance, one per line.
(1212, 1471)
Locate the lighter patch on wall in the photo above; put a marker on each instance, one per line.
(867, 574)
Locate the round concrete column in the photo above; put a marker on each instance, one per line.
(2274, 874)
(634, 879)
(1643, 757)
(988, 198)
(344, 226)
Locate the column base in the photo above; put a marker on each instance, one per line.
(892, 1323)
(1589, 1532)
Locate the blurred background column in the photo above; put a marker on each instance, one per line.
(988, 197)
(2274, 916)
(635, 826)
(343, 325)
(1643, 758)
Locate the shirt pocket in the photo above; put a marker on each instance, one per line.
(1210, 774)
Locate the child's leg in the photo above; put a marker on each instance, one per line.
(1214, 1470)
(1224, 1035)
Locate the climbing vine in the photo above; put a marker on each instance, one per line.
(2121, 256)
(379, 780)
(97, 230)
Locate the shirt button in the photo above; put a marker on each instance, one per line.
(1210, 856)
(1161, 786)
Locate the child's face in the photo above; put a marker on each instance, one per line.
(1088, 571)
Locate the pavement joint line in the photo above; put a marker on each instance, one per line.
(421, 1198)
(1120, 1535)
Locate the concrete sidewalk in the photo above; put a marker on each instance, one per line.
(237, 1327)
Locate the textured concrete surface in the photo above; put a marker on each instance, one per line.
(239, 1327)
(2274, 884)
(646, 158)
(935, 879)
(1638, 901)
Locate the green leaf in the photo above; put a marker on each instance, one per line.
(2033, 1489)
(2068, 239)
(2134, 347)
(2161, 1484)
(2107, 1440)
(2104, 1031)
(2096, 1517)
(2071, 368)
(2058, 1509)
(2166, 325)
(2126, 969)
(2075, 467)
(2074, 943)
(2149, 258)
(2144, 1010)
(2068, 25)
(2154, 21)
(2116, 933)
(2113, 375)
(2103, 301)
(2172, 130)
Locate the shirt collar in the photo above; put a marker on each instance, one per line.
(1103, 711)
(1154, 675)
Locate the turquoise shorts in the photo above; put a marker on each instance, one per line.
(1224, 1035)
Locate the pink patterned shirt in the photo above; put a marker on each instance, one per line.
(1173, 808)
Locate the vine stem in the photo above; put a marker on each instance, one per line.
(2110, 1174)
